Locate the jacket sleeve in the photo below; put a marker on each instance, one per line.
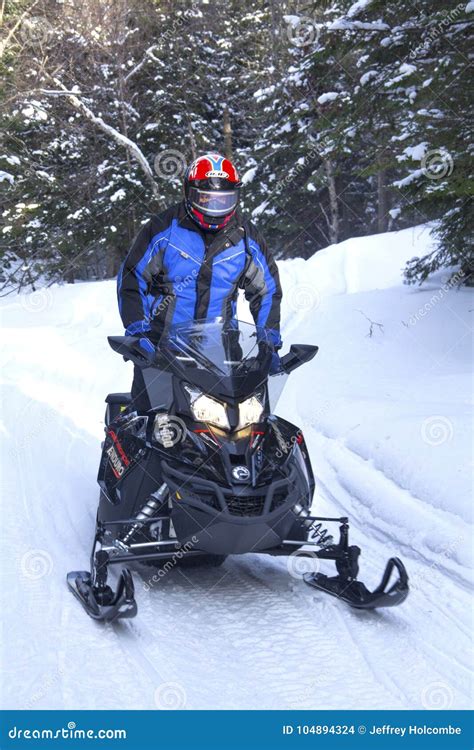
(261, 285)
(144, 260)
(134, 305)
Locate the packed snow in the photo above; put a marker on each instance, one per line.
(385, 409)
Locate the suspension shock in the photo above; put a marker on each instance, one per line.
(150, 508)
(316, 532)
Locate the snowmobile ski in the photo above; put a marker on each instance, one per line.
(357, 595)
(104, 604)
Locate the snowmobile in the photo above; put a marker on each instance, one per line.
(209, 471)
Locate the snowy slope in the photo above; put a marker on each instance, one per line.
(387, 421)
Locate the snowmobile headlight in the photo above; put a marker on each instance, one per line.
(207, 409)
(250, 411)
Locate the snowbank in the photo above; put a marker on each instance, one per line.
(391, 383)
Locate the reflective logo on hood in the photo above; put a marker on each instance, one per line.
(241, 473)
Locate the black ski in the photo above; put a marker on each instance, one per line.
(105, 604)
(357, 595)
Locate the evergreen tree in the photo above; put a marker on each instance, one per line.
(345, 118)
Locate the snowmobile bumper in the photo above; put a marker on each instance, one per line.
(210, 515)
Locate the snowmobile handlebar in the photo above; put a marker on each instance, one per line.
(298, 355)
(129, 347)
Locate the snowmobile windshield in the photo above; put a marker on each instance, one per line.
(213, 202)
(228, 360)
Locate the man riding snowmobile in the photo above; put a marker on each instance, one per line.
(189, 262)
(195, 463)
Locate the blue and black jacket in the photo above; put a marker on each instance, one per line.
(175, 272)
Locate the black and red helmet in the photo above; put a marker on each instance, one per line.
(211, 190)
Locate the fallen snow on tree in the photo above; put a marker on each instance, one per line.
(328, 97)
(6, 176)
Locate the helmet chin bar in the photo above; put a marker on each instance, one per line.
(208, 222)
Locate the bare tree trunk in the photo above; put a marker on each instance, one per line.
(227, 134)
(275, 37)
(112, 261)
(328, 222)
(192, 140)
(333, 201)
(382, 202)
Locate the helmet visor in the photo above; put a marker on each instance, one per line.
(213, 202)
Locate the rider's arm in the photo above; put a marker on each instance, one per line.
(132, 295)
(261, 284)
(143, 262)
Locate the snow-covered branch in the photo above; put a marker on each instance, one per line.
(146, 57)
(131, 146)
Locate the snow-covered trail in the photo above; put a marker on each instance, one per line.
(242, 636)
(248, 634)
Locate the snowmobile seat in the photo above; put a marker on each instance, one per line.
(116, 403)
(118, 398)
